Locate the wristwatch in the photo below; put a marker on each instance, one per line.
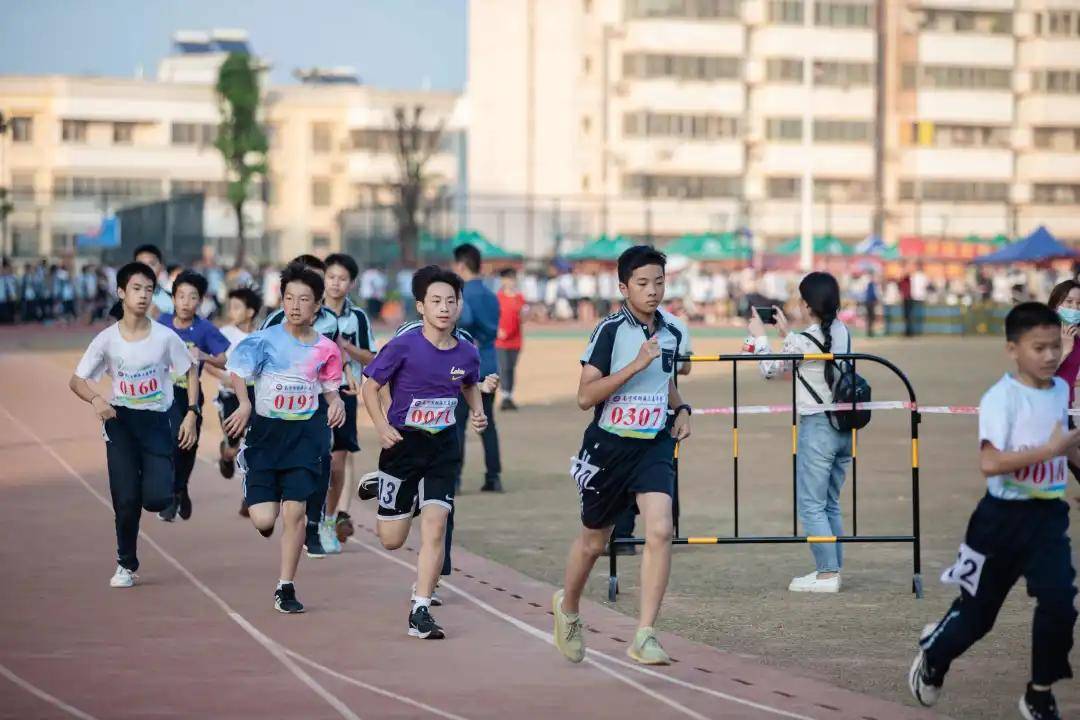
(689, 410)
(195, 409)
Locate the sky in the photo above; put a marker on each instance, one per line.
(398, 44)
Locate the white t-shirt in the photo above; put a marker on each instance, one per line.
(139, 370)
(234, 335)
(1015, 417)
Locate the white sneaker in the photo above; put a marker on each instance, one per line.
(123, 578)
(919, 681)
(810, 583)
(328, 538)
(436, 601)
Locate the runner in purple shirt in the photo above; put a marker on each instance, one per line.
(421, 456)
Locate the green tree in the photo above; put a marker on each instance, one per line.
(415, 146)
(241, 139)
(6, 208)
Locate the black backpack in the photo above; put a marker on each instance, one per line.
(849, 387)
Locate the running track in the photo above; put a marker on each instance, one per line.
(199, 636)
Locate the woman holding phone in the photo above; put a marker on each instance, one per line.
(823, 452)
(1065, 301)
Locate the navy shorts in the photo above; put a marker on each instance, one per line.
(279, 485)
(345, 436)
(420, 470)
(610, 470)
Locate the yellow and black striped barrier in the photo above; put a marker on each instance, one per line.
(737, 538)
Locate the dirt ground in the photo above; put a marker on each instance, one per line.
(735, 597)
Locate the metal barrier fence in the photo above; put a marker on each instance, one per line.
(736, 538)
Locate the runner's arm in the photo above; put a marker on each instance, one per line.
(364, 357)
(594, 387)
(215, 361)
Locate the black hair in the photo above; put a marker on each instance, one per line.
(1028, 316)
(1060, 292)
(637, 257)
(425, 277)
(124, 274)
(469, 256)
(309, 261)
(249, 297)
(299, 272)
(344, 261)
(508, 272)
(822, 294)
(192, 278)
(149, 248)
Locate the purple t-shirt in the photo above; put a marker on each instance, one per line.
(425, 382)
(1069, 369)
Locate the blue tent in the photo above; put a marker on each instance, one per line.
(1039, 246)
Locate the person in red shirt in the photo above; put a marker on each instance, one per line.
(509, 340)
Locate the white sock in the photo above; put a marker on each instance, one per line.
(418, 601)
(283, 582)
(331, 518)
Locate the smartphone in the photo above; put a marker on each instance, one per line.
(767, 315)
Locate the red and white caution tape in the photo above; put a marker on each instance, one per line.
(877, 405)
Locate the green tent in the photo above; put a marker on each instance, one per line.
(602, 248)
(999, 240)
(710, 246)
(823, 245)
(488, 250)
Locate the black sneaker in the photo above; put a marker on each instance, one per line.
(492, 485)
(285, 600)
(169, 513)
(185, 505)
(620, 549)
(508, 404)
(312, 544)
(227, 467)
(368, 489)
(423, 626)
(1038, 705)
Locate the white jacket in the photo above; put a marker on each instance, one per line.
(812, 371)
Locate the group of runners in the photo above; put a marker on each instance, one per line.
(288, 406)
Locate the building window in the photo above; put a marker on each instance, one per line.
(1056, 194)
(843, 74)
(22, 129)
(965, 21)
(209, 188)
(690, 127)
(1058, 23)
(782, 188)
(24, 242)
(320, 192)
(682, 67)
(833, 190)
(687, 187)
(63, 241)
(73, 131)
(92, 187)
(208, 133)
(784, 70)
(273, 139)
(843, 14)
(954, 191)
(783, 129)
(320, 241)
(321, 137)
(1056, 82)
(843, 131)
(693, 9)
(123, 133)
(956, 77)
(22, 185)
(184, 133)
(961, 136)
(786, 12)
(1059, 139)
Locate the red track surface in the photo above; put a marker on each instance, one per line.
(199, 637)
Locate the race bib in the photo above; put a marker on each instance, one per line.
(431, 414)
(137, 388)
(180, 380)
(1043, 481)
(966, 571)
(636, 416)
(293, 401)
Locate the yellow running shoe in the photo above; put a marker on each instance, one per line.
(646, 648)
(568, 636)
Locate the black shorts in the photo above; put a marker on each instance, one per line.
(277, 485)
(345, 436)
(226, 405)
(611, 470)
(420, 470)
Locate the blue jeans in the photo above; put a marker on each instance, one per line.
(821, 466)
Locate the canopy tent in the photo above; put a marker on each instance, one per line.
(1039, 246)
(602, 248)
(999, 240)
(488, 250)
(823, 245)
(710, 246)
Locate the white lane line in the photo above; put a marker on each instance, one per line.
(322, 692)
(520, 624)
(539, 635)
(42, 695)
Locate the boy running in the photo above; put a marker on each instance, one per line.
(206, 344)
(138, 354)
(1020, 526)
(281, 456)
(627, 378)
(325, 323)
(357, 344)
(421, 458)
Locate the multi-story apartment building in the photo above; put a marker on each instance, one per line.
(79, 147)
(658, 117)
